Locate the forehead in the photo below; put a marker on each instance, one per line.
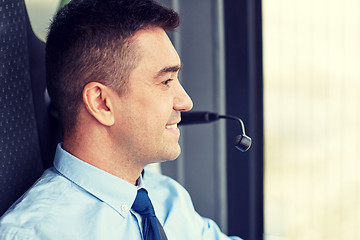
(155, 50)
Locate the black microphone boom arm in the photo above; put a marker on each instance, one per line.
(242, 141)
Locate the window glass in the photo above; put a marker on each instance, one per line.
(312, 119)
(40, 13)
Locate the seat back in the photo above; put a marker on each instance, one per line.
(28, 133)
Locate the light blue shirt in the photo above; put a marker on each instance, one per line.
(74, 200)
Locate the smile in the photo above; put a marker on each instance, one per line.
(172, 126)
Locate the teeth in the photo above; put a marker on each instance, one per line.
(171, 126)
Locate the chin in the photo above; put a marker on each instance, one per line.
(172, 154)
(173, 157)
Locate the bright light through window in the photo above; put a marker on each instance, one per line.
(40, 13)
(312, 119)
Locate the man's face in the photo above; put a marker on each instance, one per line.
(148, 113)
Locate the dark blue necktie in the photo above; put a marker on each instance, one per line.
(152, 229)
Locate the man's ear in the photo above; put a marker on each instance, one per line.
(97, 100)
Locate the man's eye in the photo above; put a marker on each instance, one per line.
(166, 82)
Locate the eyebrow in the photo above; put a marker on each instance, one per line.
(165, 70)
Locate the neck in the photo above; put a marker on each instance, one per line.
(102, 154)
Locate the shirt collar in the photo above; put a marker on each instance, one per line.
(114, 191)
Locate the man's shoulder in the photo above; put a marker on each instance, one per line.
(45, 191)
(38, 201)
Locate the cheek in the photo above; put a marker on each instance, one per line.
(150, 108)
(159, 105)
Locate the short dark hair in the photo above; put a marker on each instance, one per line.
(90, 41)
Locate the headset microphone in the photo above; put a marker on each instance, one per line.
(242, 141)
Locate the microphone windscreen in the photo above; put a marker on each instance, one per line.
(242, 142)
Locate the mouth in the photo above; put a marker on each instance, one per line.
(171, 126)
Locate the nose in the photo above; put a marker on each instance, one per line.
(182, 101)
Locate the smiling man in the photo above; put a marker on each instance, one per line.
(138, 126)
(112, 73)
